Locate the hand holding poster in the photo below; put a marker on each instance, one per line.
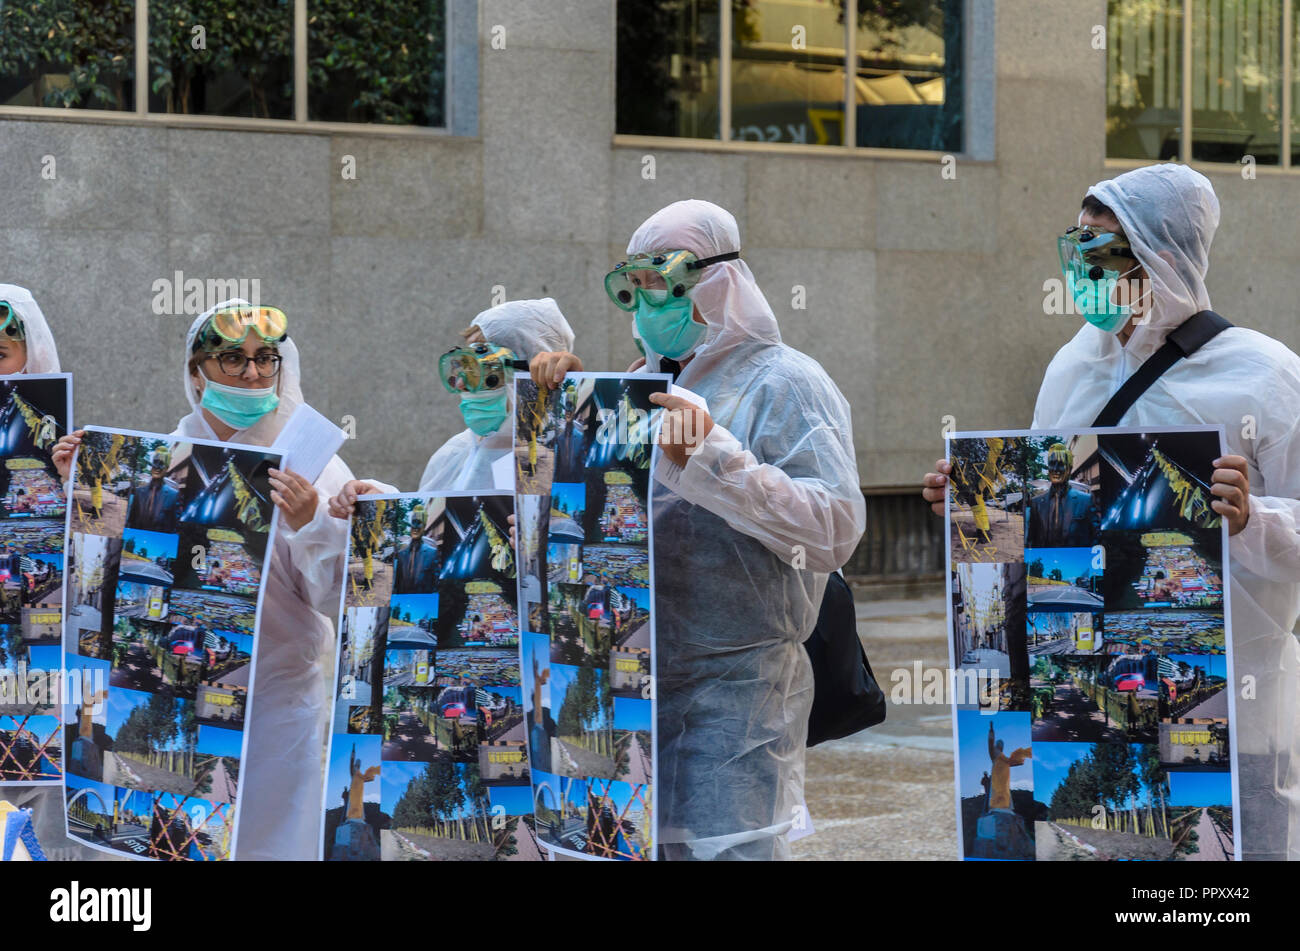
(33, 414)
(427, 759)
(583, 454)
(1088, 613)
(167, 543)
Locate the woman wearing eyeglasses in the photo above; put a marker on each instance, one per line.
(242, 381)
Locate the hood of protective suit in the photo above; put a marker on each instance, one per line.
(288, 385)
(42, 357)
(727, 296)
(527, 327)
(1169, 214)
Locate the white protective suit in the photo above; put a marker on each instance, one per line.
(46, 802)
(774, 484)
(527, 327)
(282, 775)
(1251, 384)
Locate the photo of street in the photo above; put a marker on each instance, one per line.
(986, 499)
(1059, 632)
(1163, 570)
(584, 714)
(581, 624)
(1126, 780)
(102, 483)
(221, 613)
(1164, 632)
(1064, 579)
(477, 614)
(1158, 481)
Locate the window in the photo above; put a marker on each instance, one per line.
(68, 53)
(792, 71)
(1200, 80)
(378, 62)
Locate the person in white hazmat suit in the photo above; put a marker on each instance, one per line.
(1246, 381)
(27, 346)
(755, 502)
(464, 462)
(244, 392)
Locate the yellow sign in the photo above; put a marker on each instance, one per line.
(24, 463)
(482, 587)
(1191, 737)
(219, 699)
(45, 618)
(225, 535)
(627, 666)
(617, 477)
(513, 756)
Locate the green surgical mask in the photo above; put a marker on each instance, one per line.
(484, 412)
(667, 328)
(236, 406)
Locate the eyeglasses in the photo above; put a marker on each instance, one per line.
(234, 362)
(10, 324)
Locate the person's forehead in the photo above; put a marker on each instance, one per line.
(1106, 221)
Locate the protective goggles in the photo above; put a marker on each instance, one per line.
(478, 367)
(230, 327)
(10, 323)
(1092, 255)
(679, 271)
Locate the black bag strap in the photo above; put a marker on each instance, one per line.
(1184, 340)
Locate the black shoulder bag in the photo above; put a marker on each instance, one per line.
(1184, 340)
(846, 697)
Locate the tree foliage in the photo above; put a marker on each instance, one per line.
(89, 43)
(383, 61)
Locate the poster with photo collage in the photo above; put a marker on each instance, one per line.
(583, 454)
(167, 547)
(427, 760)
(34, 412)
(1090, 644)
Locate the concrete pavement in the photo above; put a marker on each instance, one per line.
(887, 793)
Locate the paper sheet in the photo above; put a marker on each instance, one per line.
(167, 544)
(33, 509)
(427, 759)
(582, 456)
(308, 442)
(1091, 646)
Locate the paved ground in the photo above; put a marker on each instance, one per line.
(887, 792)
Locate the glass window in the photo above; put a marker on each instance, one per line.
(1235, 81)
(787, 71)
(667, 81)
(787, 78)
(68, 54)
(1144, 83)
(378, 61)
(221, 58)
(1295, 96)
(382, 61)
(908, 77)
